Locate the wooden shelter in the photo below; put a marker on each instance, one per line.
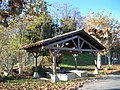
(75, 41)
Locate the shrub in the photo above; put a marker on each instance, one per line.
(28, 70)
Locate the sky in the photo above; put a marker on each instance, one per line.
(108, 6)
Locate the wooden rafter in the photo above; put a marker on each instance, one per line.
(77, 47)
(87, 42)
(79, 44)
(74, 43)
(62, 41)
(82, 44)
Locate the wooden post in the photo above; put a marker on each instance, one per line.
(109, 58)
(54, 77)
(96, 71)
(75, 63)
(36, 64)
(54, 62)
(36, 75)
(20, 60)
(75, 59)
(99, 60)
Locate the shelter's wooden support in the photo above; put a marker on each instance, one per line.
(87, 42)
(63, 41)
(20, 60)
(74, 43)
(96, 71)
(54, 76)
(99, 60)
(36, 55)
(109, 56)
(82, 44)
(69, 49)
(54, 61)
(79, 43)
(75, 59)
(35, 62)
(75, 63)
(77, 46)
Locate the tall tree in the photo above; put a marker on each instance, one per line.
(42, 25)
(9, 45)
(70, 18)
(24, 27)
(101, 26)
(66, 17)
(41, 28)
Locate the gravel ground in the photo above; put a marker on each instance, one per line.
(107, 82)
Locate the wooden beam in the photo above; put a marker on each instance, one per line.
(79, 43)
(88, 42)
(36, 55)
(82, 44)
(75, 63)
(63, 41)
(69, 49)
(75, 59)
(74, 43)
(54, 61)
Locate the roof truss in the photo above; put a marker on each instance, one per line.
(77, 41)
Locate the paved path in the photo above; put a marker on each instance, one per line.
(112, 82)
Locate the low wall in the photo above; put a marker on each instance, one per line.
(73, 74)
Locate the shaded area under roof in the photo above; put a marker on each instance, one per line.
(85, 37)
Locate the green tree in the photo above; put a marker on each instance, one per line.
(66, 17)
(32, 24)
(42, 25)
(70, 18)
(41, 28)
(9, 45)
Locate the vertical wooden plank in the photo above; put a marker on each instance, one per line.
(99, 64)
(36, 64)
(75, 59)
(54, 62)
(75, 63)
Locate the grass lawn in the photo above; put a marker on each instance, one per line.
(83, 59)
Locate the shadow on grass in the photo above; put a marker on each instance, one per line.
(81, 68)
(115, 73)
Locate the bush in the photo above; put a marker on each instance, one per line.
(28, 70)
(42, 71)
